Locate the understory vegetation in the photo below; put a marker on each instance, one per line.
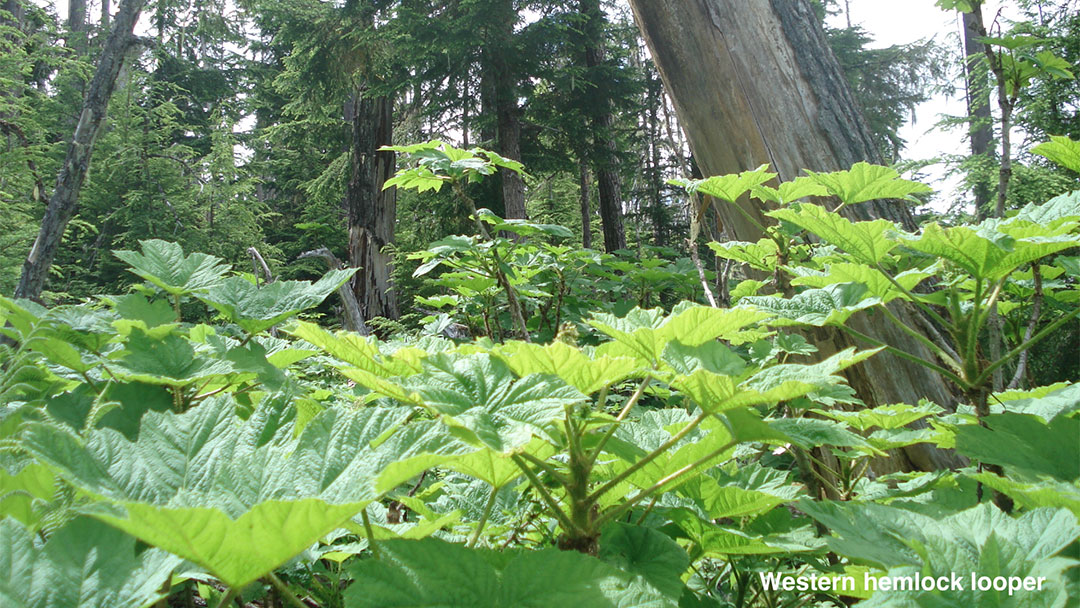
(492, 303)
(591, 436)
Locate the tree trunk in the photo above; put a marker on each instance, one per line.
(371, 210)
(604, 149)
(105, 14)
(64, 200)
(77, 27)
(508, 114)
(654, 172)
(755, 82)
(980, 128)
(583, 193)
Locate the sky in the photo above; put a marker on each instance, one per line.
(906, 21)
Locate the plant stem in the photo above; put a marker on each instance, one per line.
(1036, 312)
(545, 467)
(910, 296)
(488, 506)
(904, 355)
(986, 373)
(630, 403)
(648, 458)
(370, 533)
(284, 590)
(934, 348)
(546, 496)
(230, 593)
(659, 485)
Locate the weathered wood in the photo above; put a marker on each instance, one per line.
(755, 82)
(353, 318)
(371, 211)
(64, 200)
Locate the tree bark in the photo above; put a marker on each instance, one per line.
(755, 82)
(77, 26)
(980, 129)
(371, 210)
(604, 150)
(583, 194)
(65, 197)
(499, 100)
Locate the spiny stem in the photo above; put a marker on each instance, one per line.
(653, 489)
(648, 458)
(934, 348)
(370, 533)
(630, 403)
(904, 355)
(284, 590)
(542, 491)
(910, 296)
(484, 517)
(230, 593)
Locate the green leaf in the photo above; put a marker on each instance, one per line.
(728, 187)
(259, 308)
(165, 265)
(866, 182)
(240, 550)
(648, 553)
(241, 498)
(1059, 210)
(477, 396)
(731, 501)
(981, 540)
(647, 332)
(830, 305)
(585, 373)
(763, 255)
(1024, 443)
(84, 564)
(1061, 150)
(22, 493)
(884, 417)
(982, 257)
(1048, 405)
(170, 360)
(867, 242)
(710, 356)
(358, 351)
(876, 283)
(1046, 492)
(136, 307)
(434, 573)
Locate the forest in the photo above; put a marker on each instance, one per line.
(500, 303)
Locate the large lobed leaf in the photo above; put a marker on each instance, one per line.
(646, 333)
(980, 540)
(84, 564)
(433, 573)
(865, 182)
(867, 242)
(193, 479)
(479, 398)
(165, 265)
(258, 308)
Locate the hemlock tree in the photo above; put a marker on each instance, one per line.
(604, 150)
(755, 82)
